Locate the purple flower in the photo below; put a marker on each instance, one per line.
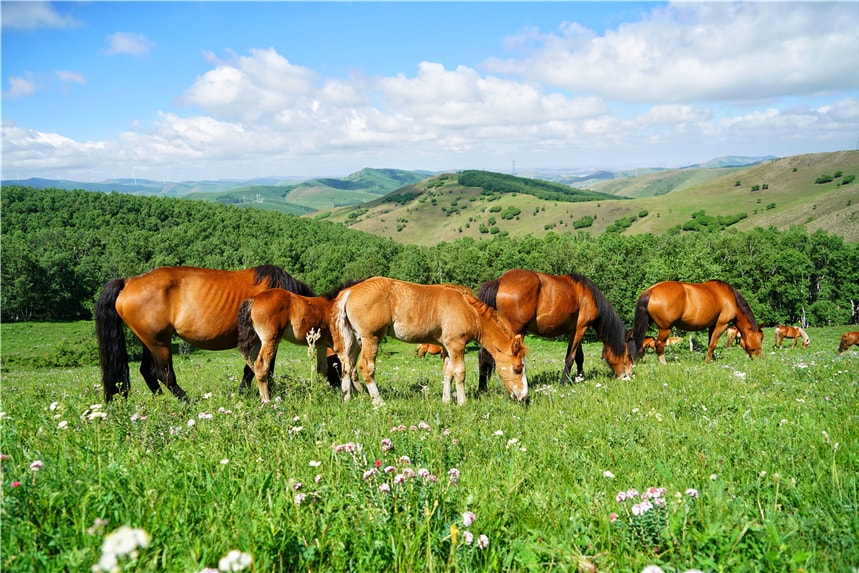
(385, 488)
(468, 518)
(390, 469)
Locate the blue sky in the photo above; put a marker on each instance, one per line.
(210, 90)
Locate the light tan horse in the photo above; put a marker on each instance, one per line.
(447, 315)
(200, 306)
(794, 332)
(422, 350)
(277, 314)
(696, 306)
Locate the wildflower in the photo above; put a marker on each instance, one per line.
(191, 422)
(377, 463)
(512, 442)
(97, 526)
(608, 474)
(369, 473)
(348, 447)
(390, 469)
(713, 477)
(315, 464)
(207, 395)
(37, 465)
(424, 426)
(632, 492)
(453, 474)
(413, 427)
(424, 473)
(468, 518)
(299, 499)
(15, 484)
(467, 537)
(620, 497)
(53, 406)
(692, 492)
(62, 425)
(612, 517)
(295, 429)
(652, 569)
(399, 478)
(205, 416)
(235, 560)
(446, 432)
(387, 445)
(409, 472)
(499, 433)
(385, 488)
(4, 457)
(124, 541)
(405, 460)
(482, 542)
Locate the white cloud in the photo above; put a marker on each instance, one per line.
(34, 15)
(699, 52)
(69, 77)
(20, 87)
(127, 43)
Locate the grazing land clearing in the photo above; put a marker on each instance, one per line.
(754, 464)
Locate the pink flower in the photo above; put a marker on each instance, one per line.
(620, 497)
(453, 474)
(399, 478)
(369, 473)
(387, 445)
(15, 484)
(424, 426)
(612, 517)
(385, 488)
(318, 478)
(390, 469)
(377, 463)
(692, 492)
(631, 493)
(482, 542)
(467, 537)
(298, 485)
(424, 473)
(405, 460)
(468, 518)
(409, 472)
(37, 465)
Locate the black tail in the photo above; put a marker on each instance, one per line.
(487, 294)
(112, 353)
(640, 325)
(249, 342)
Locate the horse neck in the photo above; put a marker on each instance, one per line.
(491, 334)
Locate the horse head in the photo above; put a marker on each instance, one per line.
(510, 364)
(752, 342)
(621, 365)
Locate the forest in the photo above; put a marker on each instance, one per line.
(60, 247)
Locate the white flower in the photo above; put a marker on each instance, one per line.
(225, 461)
(482, 542)
(608, 474)
(652, 569)
(499, 433)
(468, 518)
(53, 406)
(315, 464)
(124, 541)
(37, 465)
(467, 537)
(62, 425)
(235, 560)
(191, 422)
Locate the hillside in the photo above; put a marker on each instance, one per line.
(780, 192)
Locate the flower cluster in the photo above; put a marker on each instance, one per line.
(120, 543)
(644, 516)
(468, 518)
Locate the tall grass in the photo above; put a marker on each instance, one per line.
(769, 449)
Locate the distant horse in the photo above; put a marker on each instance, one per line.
(692, 307)
(433, 349)
(555, 305)
(731, 336)
(201, 306)
(447, 315)
(276, 314)
(650, 342)
(848, 339)
(794, 332)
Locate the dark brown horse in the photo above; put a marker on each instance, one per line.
(695, 306)
(848, 339)
(277, 314)
(557, 305)
(200, 306)
(448, 315)
(794, 332)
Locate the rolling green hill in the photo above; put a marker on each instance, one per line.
(781, 193)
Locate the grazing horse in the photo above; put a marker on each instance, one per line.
(731, 336)
(555, 305)
(794, 332)
(276, 314)
(448, 315)
(422, 350)
(201, 306)
(848, 339)
(696, 306)
(650, 342)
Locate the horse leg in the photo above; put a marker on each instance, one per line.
(457, 369)
(446, 369)
(247, 376)
(264, 366)
(715, 332)
(485, 367)
(147, 370)
(574, 352)
(659, 344)
(164, 369)
(367, 365)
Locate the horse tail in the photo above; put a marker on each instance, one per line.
(640, 325)
(276, 277)
(342, 324)
(249, 341)
(110, 332)
(608, 325)
(488, 293)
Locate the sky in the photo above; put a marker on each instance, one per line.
(180, 91)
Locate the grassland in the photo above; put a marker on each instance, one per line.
(759, 459)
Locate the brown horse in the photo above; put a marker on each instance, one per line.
(422, 350)
(555, 305)
(650, 342)
(447, 315)
(731, 336)
(794, 332)
(201, 306)
(276, 314)
(695, 306)
(848, 339)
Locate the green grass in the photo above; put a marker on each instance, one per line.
(756, 439)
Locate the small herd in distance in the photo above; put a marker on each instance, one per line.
(256, 309)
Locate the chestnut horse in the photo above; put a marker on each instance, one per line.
(650, 342)
(695, 306)
(276, 314)
(848, 339)
(555, 305)
(448, 315)
(731, 336)
(794, 332)
(201, 306)
(422, 350)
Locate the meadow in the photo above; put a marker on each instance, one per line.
(737, 465)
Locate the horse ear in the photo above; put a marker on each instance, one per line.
(519, 346)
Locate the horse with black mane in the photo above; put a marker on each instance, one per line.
(711, 305)
(198, 305)
(555, 305)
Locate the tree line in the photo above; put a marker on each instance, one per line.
(59, 248)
